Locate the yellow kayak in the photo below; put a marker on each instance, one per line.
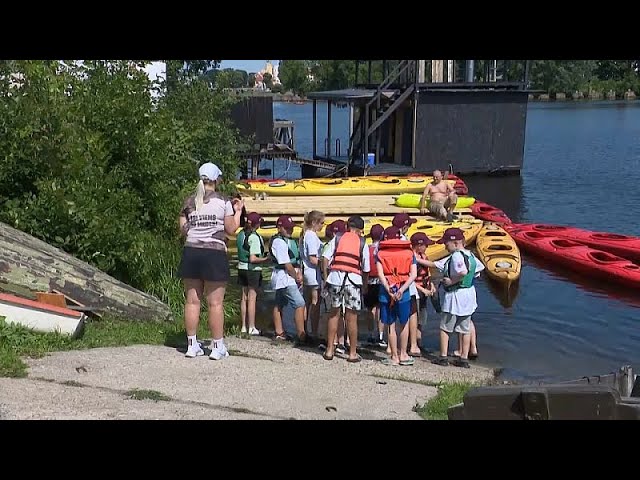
(337, 186)
(412, 200)
(499, 253)
(428, 226)
(433, 229)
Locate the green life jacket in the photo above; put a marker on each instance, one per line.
(467, 280)
(294, 252)
(242, 242)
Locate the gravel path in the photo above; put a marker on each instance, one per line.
(260, 380)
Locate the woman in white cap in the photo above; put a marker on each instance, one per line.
(205, 218)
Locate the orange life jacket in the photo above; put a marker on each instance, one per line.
(424, 276)
(348, 253)
(396, 257)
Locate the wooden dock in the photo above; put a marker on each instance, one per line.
(365, 205)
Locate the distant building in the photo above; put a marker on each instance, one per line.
(271, 70)
(275, 76)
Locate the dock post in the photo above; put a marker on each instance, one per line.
(437, 74)
(421, 71)
(469, 71)
(314, 132)
(328, 128)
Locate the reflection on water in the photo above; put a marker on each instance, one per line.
(503, 192)
(596, 288)
(505, 294)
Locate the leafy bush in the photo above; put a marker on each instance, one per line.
(96, 159)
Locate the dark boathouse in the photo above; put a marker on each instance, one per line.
(431, 114)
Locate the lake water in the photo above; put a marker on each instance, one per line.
(581, 168)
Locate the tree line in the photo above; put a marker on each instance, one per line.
(550, 76)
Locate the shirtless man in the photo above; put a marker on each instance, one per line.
(442, 197)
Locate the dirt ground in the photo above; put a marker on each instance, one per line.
(260, 380)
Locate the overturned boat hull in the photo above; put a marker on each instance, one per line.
(29, 265)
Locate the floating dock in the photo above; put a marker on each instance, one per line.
(297, 206)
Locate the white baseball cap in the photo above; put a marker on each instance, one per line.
(210, 170)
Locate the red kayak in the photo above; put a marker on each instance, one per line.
(623, 246)
(576, 256)
(489, 213)
(460, 187)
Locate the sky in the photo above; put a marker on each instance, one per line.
(248, 65)
(157, 68)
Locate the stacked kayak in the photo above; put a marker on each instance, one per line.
(576, 256)
(499, 253)
(459, 186)
(624, 246)
(428, 226)
(487, 212)
(337, 186)
(438, 251)
(412, 200)
(432, 229)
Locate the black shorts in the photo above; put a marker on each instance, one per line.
(204, 264)
(414, 303)
(371, 298)
(250, 278)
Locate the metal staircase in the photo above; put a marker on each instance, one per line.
(393, 91)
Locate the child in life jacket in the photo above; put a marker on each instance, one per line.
(251, 256)
(423, 288)
(330, 231)
(346, 283)
(396, 265)
(286, 278)
(371, 302)
(459, 301)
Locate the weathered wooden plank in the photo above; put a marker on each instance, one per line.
(29, 265)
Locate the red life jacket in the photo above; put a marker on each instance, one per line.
(373, 266)
(396, 257)
(424, 276)
(348, 253)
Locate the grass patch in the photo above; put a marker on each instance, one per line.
(17, 341)
(137, 394)
(10, 363)
(448, 395)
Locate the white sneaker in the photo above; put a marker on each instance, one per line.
(243, 329)
(194, 351)
(219, 353)
(254, 331)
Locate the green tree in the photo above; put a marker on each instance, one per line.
(92, 163)
(268, 80)
(294, 76)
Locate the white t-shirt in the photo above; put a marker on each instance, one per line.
(413, 290)
(205, 227)
(311, 245)
(336, 277)
(461, 302)
(279, 277)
